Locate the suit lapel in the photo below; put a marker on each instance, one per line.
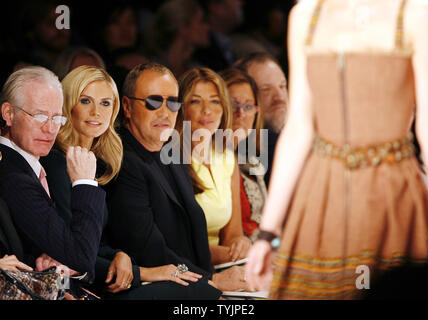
(183, 182)
(11, 159)
(143, 153)
(190, 208)
(163, 182)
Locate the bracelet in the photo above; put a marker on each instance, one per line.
(270, 237)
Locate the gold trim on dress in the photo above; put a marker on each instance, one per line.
(361, 157)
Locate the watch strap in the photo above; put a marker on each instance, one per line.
(270, 237)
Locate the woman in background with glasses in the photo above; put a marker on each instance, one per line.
(247, 124)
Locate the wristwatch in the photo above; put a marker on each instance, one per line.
(270, 237)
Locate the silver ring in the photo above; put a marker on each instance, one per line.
(182, 268)
(176, 273)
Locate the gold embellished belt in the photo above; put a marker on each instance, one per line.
(353, 158)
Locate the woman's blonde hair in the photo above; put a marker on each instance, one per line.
(187, 83)
(107, 147)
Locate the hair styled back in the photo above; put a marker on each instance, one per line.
(130, 83)
(236, 76)
(12, 88)
(11, 91)
(108, 146)
(187, 83)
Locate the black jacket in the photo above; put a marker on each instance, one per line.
(146, 219)
(59, 182)
(36, 219)
(9, 240)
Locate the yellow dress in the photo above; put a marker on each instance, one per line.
(216, 201)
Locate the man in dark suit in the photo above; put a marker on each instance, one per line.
(11, 251)
(31, 107)
(153, 214)
(9, 239)
(273, 95)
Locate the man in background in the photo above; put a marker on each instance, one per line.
(273, 96)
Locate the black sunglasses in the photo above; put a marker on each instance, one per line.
(154, 102)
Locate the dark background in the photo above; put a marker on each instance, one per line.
(88, 17)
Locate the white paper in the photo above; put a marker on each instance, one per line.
(255, 294)
(230, 264)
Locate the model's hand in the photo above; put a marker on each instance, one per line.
(81, 164)
(121, 267)
(259, 266)
(239, 248)
(11, 263)
(165, 273)
(231, 279)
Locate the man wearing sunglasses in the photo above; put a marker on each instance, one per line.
(31, 109)
(153, 215)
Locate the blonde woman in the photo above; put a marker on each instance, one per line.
(213, 168)
(91, 103)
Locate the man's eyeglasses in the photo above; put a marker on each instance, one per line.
(244, 107)
(154, 102)
(42, 118)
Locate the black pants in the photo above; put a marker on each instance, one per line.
(168, 290)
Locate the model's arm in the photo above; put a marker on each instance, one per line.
(295, 140)
(292, 149)
(415, 24)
